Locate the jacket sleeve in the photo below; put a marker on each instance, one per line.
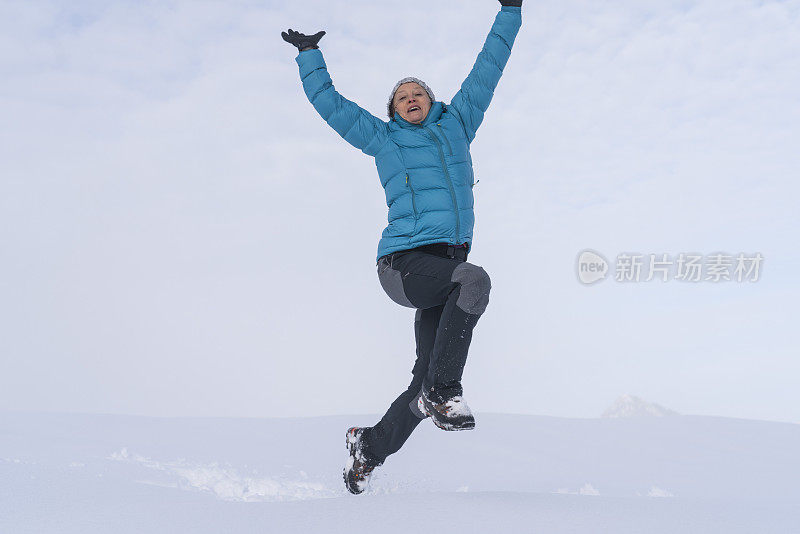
(472, 100)
(357, 126)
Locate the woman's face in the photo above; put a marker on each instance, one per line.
(412, 102)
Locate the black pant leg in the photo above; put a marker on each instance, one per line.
(403, 416)
(449, 354)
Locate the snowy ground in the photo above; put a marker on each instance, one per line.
(679, 474)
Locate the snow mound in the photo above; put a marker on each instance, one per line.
(631, 406)
(225, 482)
(586, 489)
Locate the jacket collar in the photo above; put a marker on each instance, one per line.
(434, 115)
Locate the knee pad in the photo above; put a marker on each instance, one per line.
(475, 286)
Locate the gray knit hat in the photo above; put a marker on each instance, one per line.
(390, 105)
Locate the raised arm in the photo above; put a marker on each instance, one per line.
(472, 101)
(356, 125)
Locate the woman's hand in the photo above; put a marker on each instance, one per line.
(302, 41)
(514, 3)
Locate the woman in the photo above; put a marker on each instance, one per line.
(425, 167)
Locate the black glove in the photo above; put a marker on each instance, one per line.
(514, 3)
(302, 41)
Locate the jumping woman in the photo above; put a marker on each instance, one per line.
(425, 167)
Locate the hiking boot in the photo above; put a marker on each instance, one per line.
(447, 414)
(359, 467)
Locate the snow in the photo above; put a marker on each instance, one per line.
(586, 489)
(658, 492)
(102, 473)
(458, 407)
(631, 406)
(226, 482)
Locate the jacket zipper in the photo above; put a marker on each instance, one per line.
(446, 140)
(472, 174)
(413, 197)
(449, 182)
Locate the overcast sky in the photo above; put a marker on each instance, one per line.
(181, 234)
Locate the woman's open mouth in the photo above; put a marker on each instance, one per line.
(413, 108)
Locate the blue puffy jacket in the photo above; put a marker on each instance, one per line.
(425, 169)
